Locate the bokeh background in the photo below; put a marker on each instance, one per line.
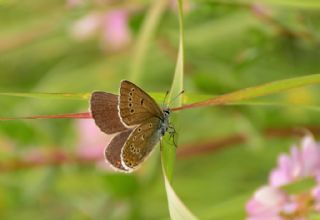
(54, 168)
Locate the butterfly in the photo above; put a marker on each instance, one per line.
(135, 118)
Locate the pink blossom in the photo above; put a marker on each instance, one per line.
(302, 162)
(111, 27)
(86, 27)
(272, 202)
(116, 33)
(311, 156)
(266, 203)
(92, 143)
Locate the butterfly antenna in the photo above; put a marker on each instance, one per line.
(165, 98)
(174, 98)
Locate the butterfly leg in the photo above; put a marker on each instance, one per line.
(172, 133)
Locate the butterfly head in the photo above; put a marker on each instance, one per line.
(166, 112)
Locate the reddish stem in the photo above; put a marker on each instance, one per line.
(189, 150)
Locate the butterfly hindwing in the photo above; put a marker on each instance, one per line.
(135, 105)
(140, 143)
(113, 150)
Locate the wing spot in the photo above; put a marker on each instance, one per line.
(130, 99)
(131, 111)
(141, 101)
(130, 93)
(132, 89)
(139, 129)
(150, 125)
(130, 105)
(142, 137)
(136, 151)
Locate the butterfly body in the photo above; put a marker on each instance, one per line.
(137, 120)
(164, 124)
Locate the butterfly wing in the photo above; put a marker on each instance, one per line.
(104, 110)
(135, 105)
(140, 143)
(113, 150)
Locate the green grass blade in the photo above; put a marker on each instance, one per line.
(169, 152)
(147, 31)
(72, 96)
(305, 4)
(256, 91)
(177, 210)
(189, 98)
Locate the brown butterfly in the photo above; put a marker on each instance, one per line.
(137, 120)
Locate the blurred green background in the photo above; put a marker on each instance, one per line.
(229, 45)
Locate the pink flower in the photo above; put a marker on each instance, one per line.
(92, 142)
(86, 27)
(115, 32)
(266, 203)
(302, 162)
(316, 196)
(112, 28)
(272, 202)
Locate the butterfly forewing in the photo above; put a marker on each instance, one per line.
(140, 143)
(104, 110)
(113, 150)
(135, 105)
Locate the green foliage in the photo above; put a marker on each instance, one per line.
(228, 46)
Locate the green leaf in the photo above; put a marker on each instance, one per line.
(299, 186)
